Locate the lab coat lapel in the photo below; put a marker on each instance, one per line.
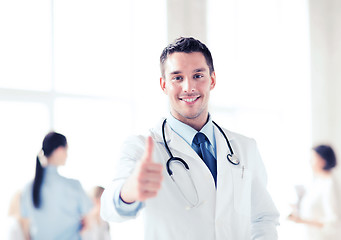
(223, 165)
(225, 187)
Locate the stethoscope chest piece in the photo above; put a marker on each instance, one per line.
(233, 159)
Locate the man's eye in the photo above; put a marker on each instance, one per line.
(198, 76)
(177, 78)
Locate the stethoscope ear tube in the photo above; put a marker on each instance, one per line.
(170, 172)
(227, 141)
(164, 141)
(171, 158)
(231, 157)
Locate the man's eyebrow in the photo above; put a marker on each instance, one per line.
(175, 72)
(194, 71)
(199, 70)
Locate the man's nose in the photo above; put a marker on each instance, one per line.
(188, 85)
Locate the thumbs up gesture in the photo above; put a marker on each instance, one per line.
(145, 181)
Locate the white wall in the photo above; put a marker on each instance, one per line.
(186, 18)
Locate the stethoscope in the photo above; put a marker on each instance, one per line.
(231, 157)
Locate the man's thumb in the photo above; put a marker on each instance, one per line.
(148, 154)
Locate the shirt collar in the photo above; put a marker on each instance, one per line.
(188, 133)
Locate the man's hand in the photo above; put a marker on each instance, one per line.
(145, 181)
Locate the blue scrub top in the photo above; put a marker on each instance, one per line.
(63, 205)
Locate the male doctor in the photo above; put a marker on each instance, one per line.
(213, 187)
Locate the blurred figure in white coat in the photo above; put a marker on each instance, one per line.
(98, 229)
(17, 226)
(319, 208)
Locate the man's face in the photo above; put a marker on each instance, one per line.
(188, 83)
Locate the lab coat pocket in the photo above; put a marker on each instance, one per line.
(242, 190)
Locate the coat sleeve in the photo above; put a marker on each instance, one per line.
(131, 153)
(330, 205)
(264, 215)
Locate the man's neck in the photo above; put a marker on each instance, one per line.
(196, 123)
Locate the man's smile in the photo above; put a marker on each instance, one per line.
(189, 99)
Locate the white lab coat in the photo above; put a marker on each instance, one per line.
(240, 208)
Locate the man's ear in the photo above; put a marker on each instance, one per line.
(163, 85)
(213, 80)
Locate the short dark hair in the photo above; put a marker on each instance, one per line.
(186, 45)
(327, 154)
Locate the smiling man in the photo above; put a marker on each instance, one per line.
(188, 80)
(191, 178)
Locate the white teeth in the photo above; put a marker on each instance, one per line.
(189, 99)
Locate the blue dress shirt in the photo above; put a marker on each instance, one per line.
(63, 205)
(187, 133)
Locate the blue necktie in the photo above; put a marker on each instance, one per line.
(199, 142)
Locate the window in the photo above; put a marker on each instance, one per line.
(25, 44)
(81, 68)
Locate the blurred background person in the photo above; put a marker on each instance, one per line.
(319, 209)
(97, 229)
(54, 205)
(17, 227)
